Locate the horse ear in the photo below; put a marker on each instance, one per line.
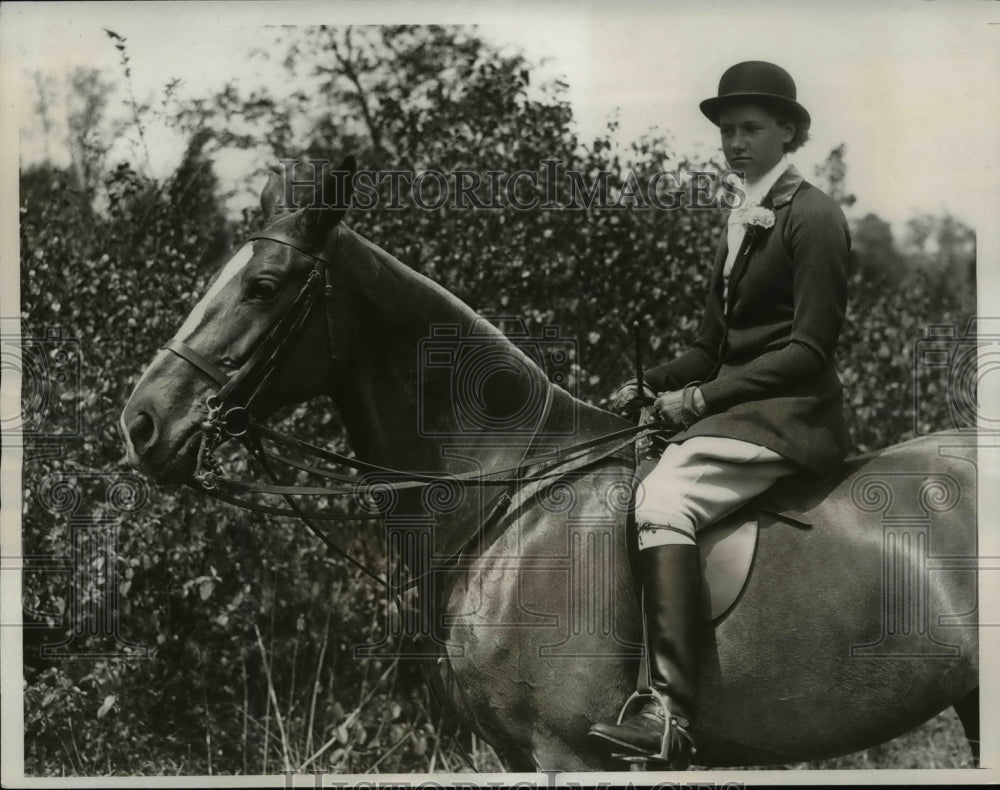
(273, 194)
(343, 177)
(338, 189)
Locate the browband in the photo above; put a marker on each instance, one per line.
(288, 241)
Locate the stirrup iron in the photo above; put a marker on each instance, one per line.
(675, 732)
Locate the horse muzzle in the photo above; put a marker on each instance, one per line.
(161, 447)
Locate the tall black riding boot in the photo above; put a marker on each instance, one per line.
(660, 729)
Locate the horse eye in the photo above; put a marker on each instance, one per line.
(263, 289)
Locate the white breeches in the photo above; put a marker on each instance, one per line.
(699, 481)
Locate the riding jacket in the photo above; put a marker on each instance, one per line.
(765, 355)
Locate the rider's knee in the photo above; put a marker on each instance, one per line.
(660, 532)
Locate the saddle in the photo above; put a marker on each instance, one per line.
(800, 501)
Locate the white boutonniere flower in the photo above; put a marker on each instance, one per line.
(753, 215)
(760, 216)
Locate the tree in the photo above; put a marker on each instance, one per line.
(945, 250)
(831, 177)
(874, 250)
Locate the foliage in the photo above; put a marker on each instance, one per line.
(249, 628)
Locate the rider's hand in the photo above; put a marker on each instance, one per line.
(629, 391)
(669, 408)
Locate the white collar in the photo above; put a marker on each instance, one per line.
(757, 190)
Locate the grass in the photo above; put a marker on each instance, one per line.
(938, 743)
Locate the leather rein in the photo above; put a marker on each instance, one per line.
(229, 417)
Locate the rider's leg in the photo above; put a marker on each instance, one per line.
(694, 484)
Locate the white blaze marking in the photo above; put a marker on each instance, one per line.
(234, 267)
(229, 271)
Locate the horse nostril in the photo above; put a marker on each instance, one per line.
(142, 432)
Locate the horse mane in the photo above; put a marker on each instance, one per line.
(379, 263)
(373, 265)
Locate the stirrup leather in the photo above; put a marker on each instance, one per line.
(676, 744)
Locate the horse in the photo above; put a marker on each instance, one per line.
(856, 624)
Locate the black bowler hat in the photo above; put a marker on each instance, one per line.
(756, 79)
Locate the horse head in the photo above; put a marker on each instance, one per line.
(247, 314)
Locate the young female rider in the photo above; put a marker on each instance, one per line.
(756, 398)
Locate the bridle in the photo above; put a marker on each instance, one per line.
(229, 417)
(229, 408)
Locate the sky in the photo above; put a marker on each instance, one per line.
(910, 88)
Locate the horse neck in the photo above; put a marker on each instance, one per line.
(405, 405)
(399, 411)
